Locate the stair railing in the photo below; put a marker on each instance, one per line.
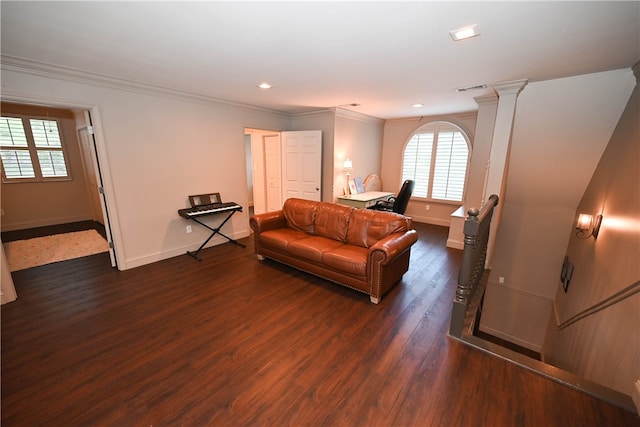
(621, 295)
(472, 269)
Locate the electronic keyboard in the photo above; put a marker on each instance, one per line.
(209, 209)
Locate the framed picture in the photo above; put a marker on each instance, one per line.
(359, 184)
(352, 187)
(565, 274)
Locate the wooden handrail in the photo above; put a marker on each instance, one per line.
(476, 238)
(607, 302)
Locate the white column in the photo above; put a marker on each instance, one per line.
(479, 166)
(499, 158)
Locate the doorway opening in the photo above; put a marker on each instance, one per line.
(281, 165)
(70, 206)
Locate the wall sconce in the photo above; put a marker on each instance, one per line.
(347, 166)
(587, 226)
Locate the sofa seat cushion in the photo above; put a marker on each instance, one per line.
(348, 259)
(312, 247)
(280, 238)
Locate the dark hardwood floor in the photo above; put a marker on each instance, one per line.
(232, 341)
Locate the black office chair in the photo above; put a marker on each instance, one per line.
(399, 203)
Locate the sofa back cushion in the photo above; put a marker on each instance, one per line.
(332, 221)
(300, 214)
(367, 226)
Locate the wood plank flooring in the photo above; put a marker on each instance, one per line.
(231, 341)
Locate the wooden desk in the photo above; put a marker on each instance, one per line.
(364, 200)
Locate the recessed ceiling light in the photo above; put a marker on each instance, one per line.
(265, 86)
(464, 33)
(418, 105)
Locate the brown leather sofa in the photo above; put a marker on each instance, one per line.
(362, 249)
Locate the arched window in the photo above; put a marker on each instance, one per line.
(437, 159)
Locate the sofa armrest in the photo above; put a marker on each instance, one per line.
(395, 244)
(267, 221)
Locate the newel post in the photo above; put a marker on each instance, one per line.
(476, 237)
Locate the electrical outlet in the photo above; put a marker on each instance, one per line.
(189, 229)
(428, 207)
(500, 279)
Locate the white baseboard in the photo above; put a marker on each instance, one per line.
(427, 220)
(159, 256)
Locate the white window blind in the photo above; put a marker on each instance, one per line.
(14, 149)
(31, 149)
(437, 158)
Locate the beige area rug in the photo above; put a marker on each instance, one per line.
(29, 253)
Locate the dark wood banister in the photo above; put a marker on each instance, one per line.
(621, 295)
(472, 269)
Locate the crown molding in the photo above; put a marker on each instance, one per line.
(339, 112)
(28, 66)
(354, 115)
(321, 112)
(486, 99)
(506, 88)
(449, 117)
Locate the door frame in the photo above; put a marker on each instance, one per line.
(255, 152)
(104, 171)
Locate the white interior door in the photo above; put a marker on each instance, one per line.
(87, 151)
(273, 172)
(95, 165)
(302, 165)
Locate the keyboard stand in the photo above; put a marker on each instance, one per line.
(214, 231)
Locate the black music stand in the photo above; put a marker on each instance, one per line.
(209, 204)
(214, 231)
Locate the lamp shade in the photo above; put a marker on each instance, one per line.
(584, 222)
(347, 164)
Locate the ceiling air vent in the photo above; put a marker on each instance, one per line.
(476, 87)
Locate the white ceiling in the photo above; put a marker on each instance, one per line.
(385, 56)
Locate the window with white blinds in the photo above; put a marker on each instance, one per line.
(31, 149)
(436, 158)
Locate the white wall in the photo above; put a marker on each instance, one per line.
(155, 149)
(561, 129)
(359, 138)
(605, 347)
